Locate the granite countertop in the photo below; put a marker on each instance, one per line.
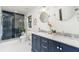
(62, 39)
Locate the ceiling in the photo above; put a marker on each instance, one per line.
(21, 9)
(18, 9)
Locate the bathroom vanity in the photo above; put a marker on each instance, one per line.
(43, 42)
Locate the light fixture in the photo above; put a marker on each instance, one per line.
(76, 9)
(44, 8)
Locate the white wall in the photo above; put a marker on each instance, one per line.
(70, 26)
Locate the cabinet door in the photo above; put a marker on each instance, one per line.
(35, 43)
(54, 46)
(38, 44)
(67, 48)
(44, 44)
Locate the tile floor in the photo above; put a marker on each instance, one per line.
(16, 46)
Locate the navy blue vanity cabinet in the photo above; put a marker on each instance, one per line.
(44, 44)
(35, 43)
(61, 47)
(68, 48)
(39, 44)
(54, 46)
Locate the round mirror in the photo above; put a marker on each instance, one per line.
(43, 17)
(66, 13)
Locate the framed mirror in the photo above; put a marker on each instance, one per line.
(66, 13)
(43, 17)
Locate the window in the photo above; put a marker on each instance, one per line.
(30, 21)
(13, 25)
(60, 14)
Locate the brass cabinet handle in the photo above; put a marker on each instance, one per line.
(44, 41)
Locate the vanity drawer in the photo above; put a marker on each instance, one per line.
(44, 41)
(44, 47)
(44, 44)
